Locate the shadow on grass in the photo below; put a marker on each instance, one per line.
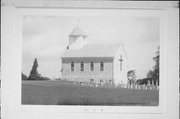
(86, 101)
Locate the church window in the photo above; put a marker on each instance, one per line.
(91, 80)
(92, 66)
(82, 66)
(101, 81)
(72, 66)
(101, 66)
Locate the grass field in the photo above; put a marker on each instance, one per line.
(67, 93)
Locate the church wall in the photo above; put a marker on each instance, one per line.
(87, 74)
(120, 76)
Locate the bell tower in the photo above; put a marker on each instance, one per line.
(77, 38)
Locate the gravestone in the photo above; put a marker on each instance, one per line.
(149, 83)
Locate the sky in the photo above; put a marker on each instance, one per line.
(46, 37)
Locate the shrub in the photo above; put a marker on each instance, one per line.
(23, 76)
(34, 77)
(44, 78)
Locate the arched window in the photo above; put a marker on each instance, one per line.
(101, 81)
(92, 66)
(72, 66)
(91, 80)
(82, 66)
(101, 66)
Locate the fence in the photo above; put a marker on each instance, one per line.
(127, 86)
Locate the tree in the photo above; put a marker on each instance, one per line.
(23, 76)
(153, 75)
(34, 75)
(156, 67)
(131, 76)
(150, 74)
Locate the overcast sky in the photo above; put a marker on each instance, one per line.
(45, 38)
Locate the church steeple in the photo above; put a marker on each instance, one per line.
(77, 38)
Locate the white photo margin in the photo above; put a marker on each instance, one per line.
(12, 55)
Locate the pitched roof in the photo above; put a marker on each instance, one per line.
(77, 31)
(93, 50)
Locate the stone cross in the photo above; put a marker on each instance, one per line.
(121, 62)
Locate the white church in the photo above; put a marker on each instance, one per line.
(94, 63)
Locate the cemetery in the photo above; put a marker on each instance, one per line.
(128, 86)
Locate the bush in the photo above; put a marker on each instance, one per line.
(38, 78)
(144, 81)
(44, 78)
(57, 79)
(23, 76)
(34, 77)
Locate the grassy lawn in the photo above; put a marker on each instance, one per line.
(67, 93)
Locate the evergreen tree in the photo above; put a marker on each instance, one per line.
(34, 75)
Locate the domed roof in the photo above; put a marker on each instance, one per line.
(77, 31)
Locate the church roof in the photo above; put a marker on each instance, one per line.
(93, 50)
(77, 31)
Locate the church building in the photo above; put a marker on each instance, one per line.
(93, 63)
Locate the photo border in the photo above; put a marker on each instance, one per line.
(12, 54)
